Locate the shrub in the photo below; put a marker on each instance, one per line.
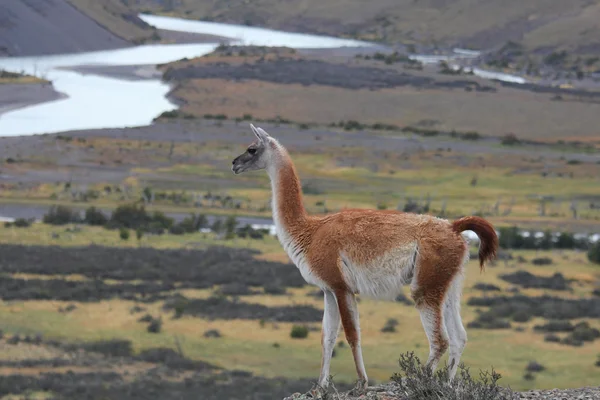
(528, 280)
(230, 225)
(114, 347)
(534, 366)
(421, 383)
(594, 253)
(299, 332)
(94, 216)
(552, 338)
(124, 234)
(155, 326)
(471, 136)
(274, 289)
(529, 376)
(61, 215)
(401, 298)
(146, 318)
(571, 341)
(521, 316)
(486, 287)
(176, 230)
(212, 333)
(542, 261)
(510, 139)
(390, 326)
(555, 326)
(130, 216)
(585, 333)
(22, 223)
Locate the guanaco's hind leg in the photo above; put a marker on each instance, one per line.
(349, 314)
(456, 331)
(432, 319)
(437, 266)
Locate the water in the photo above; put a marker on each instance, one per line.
(94, 102)
(101, 102)
(248, 35)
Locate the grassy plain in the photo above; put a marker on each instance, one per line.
(509, 184)
(249, 344)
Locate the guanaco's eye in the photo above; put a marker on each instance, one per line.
(251, 151)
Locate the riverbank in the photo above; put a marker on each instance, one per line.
(19, 95)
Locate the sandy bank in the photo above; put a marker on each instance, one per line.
(14, 96)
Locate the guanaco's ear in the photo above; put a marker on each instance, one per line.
(260, 134)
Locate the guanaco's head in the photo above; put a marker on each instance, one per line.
(257, 155)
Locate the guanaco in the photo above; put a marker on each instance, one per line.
(372, 253)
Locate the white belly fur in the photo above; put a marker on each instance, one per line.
(383, 278)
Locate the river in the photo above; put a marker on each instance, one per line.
(95, 102)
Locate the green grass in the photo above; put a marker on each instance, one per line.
(248, 345)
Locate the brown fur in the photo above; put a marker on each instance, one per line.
(487, 236)
(364, 236)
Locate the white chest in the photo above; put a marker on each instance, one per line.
(296, 254)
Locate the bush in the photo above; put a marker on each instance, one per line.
(521, 316)
(528, 280)
(274, 289)
(510, 139)
(471, 136)
(529, 376)
(20, 223)
(585, 333)
(299, 332)
(212, 333)
(401, 298)
(552, 338)
(114, 347)
(594, 253)
(420, 383)
(390, 326)
(486, 287)
(555, 326)
(155, 326)
(130, 216)
(146, 318)
(124, 234)
(94, 216)
(534, 366)
(542, 261)
(61, 215)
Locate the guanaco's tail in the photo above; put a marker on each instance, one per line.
(486, 233)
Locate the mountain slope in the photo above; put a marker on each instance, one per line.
(478, 24)
(37, 27)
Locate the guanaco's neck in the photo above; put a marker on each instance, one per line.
(288, 210)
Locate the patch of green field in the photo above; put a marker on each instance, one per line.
(250, 344)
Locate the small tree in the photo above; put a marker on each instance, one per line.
(124, 234)
(155, 325)
(594, 253)
(217, 226)
(230, 225)
(94, 216)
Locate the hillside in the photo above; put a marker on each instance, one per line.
(37, 27)
(476, 24)
(541, 27)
